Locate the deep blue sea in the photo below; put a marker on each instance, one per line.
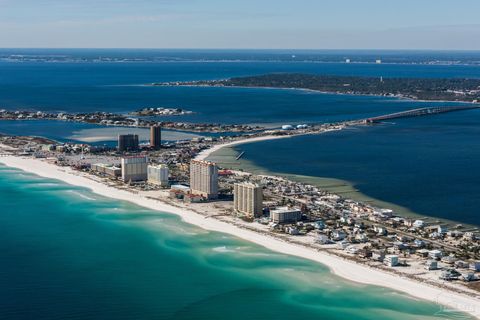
(427, 165)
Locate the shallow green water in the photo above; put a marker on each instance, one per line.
(70, 254)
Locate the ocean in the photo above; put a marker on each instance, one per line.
(70, 254)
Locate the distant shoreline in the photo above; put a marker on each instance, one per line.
(433, 63)
(442, 90)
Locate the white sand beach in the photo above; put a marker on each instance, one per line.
(341, 267)
(207, 152)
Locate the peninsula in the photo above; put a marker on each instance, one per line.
(139, 119)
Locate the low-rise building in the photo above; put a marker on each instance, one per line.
(419, 224)
(322, 239)
(470, 276)
(378, 255)
(365, 252)
(435, 254)
(419, 243)
(461, 264)
(391, 260)
(422, 253)
(381, 231)
(351, 249)
(362, 237)
(469, 236)
(285, 215)
(442, 229)
(292, 231)
(450, 274)
(343, 244)
(192, 198)
(475, 266)
(107, 169)
(338, 235)
(449, 259)
(431, 265)
(179, 191)
(319, 225)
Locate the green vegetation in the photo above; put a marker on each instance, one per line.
(423, 89)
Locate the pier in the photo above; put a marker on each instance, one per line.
(240, 155)
(419, 112)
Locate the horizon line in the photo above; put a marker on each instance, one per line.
(235, 49)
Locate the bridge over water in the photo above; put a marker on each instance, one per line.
(420, 112)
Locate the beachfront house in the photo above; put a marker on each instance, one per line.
(419, 224)
(435, 254)
(391, 260)
(338, 235)
(431, 265)
(475, 266)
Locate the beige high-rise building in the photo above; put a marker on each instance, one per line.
(158, 175)
(134, 168)
(204, 178)
(248, 199)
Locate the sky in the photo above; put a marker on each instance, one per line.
(252, 24)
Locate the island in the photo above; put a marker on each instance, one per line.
(121, 120)
(160, 111)
(448, 89)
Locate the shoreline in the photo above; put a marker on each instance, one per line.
(339, 266)
(204, 154)
(330, 184)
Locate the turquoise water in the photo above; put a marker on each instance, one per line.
(70, 254)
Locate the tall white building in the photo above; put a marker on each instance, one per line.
(248, 199)
(134, 168)
(204, 178)
(158, 175)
